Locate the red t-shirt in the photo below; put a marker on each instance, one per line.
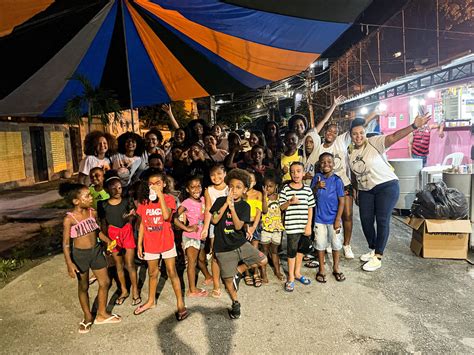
(158, 235)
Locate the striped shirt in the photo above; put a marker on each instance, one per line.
(421, 142)
(296, 216)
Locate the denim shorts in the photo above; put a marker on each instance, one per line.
(326, 235)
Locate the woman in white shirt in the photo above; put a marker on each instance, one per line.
(97, 147)
(128, 159)
(377, 187)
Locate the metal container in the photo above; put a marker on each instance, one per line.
(462, 182)
(408, 172)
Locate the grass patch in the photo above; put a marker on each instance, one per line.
(59, 204)
(9, 265)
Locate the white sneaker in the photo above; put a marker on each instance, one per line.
(373, 264)
(329, 250)
(367, 256)
(348, 254)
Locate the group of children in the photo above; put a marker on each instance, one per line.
(241, 220)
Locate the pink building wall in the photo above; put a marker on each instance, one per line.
(455, 139)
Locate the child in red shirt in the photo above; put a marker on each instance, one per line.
(156, 239)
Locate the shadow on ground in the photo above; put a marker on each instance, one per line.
(219, 342)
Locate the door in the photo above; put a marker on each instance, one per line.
(76, 147)
(38, 153)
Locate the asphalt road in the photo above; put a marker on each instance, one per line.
(410, 305)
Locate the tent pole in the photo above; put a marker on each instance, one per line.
(128, 67)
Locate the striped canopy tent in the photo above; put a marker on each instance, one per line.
(152, 51)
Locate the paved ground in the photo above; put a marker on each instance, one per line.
(411, 304)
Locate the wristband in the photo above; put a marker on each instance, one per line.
(414, 126)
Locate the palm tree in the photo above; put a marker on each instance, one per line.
(97, 101)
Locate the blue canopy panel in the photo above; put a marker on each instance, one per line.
(147, 87)
(91, 66)
(265, 28)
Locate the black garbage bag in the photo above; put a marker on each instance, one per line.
(436, 201)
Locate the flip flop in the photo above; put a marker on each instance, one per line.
(339, 276)
(308, 257)
(141, 309)
(136, 301)
(200, 293)
(206, 282)
(289, 286)
(303, 280)
(216, 293)
(313, 264)
(111, 320)
(180, 316)
(321, 278)
(87, 327)
(119, 301)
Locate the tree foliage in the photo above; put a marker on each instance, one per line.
(95, 102)
(154, 116)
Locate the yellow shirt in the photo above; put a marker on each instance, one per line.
(254, 206)
(271, 221)
(286, 161)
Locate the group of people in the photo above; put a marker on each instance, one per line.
(228, 200)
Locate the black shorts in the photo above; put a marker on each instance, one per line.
(86, 259)
(297, 243)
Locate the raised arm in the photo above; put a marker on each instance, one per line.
(169, 112)
(402, 133)
(327, 116)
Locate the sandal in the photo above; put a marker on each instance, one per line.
(339, 276)
(308, 257)
(303, 280)
(216, 293)
(289, 286)
(136, 301)
(207, 282)
(321, 278)
(84, 328)
(313, 264)
(141, 309)
(114, 318)
(248, 280)
(199, 293)
(181, 315)
(257, 281)
(119, 301)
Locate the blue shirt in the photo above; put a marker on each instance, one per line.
(327, 198)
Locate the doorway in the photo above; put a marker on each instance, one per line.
(76, 147)
(38, 153)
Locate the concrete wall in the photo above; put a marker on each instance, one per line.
(24, 128)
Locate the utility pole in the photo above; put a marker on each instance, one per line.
(309, 100)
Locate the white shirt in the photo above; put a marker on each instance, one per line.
(369, 164)
(90, 162)
(339, 150)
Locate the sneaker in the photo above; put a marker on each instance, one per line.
(366, 257)
(348, 254)
(236, 280)
(373, 264)
(234, 312)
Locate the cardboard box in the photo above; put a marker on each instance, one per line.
(440, 239)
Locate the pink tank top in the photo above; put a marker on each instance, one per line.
(83, 227)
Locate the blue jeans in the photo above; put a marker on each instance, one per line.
(377, 205)
(424, 158)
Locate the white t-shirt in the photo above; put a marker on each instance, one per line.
(125, 166)
(90, 162)
(369, 164)
(339, 150)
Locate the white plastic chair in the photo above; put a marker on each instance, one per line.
(456, 159)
